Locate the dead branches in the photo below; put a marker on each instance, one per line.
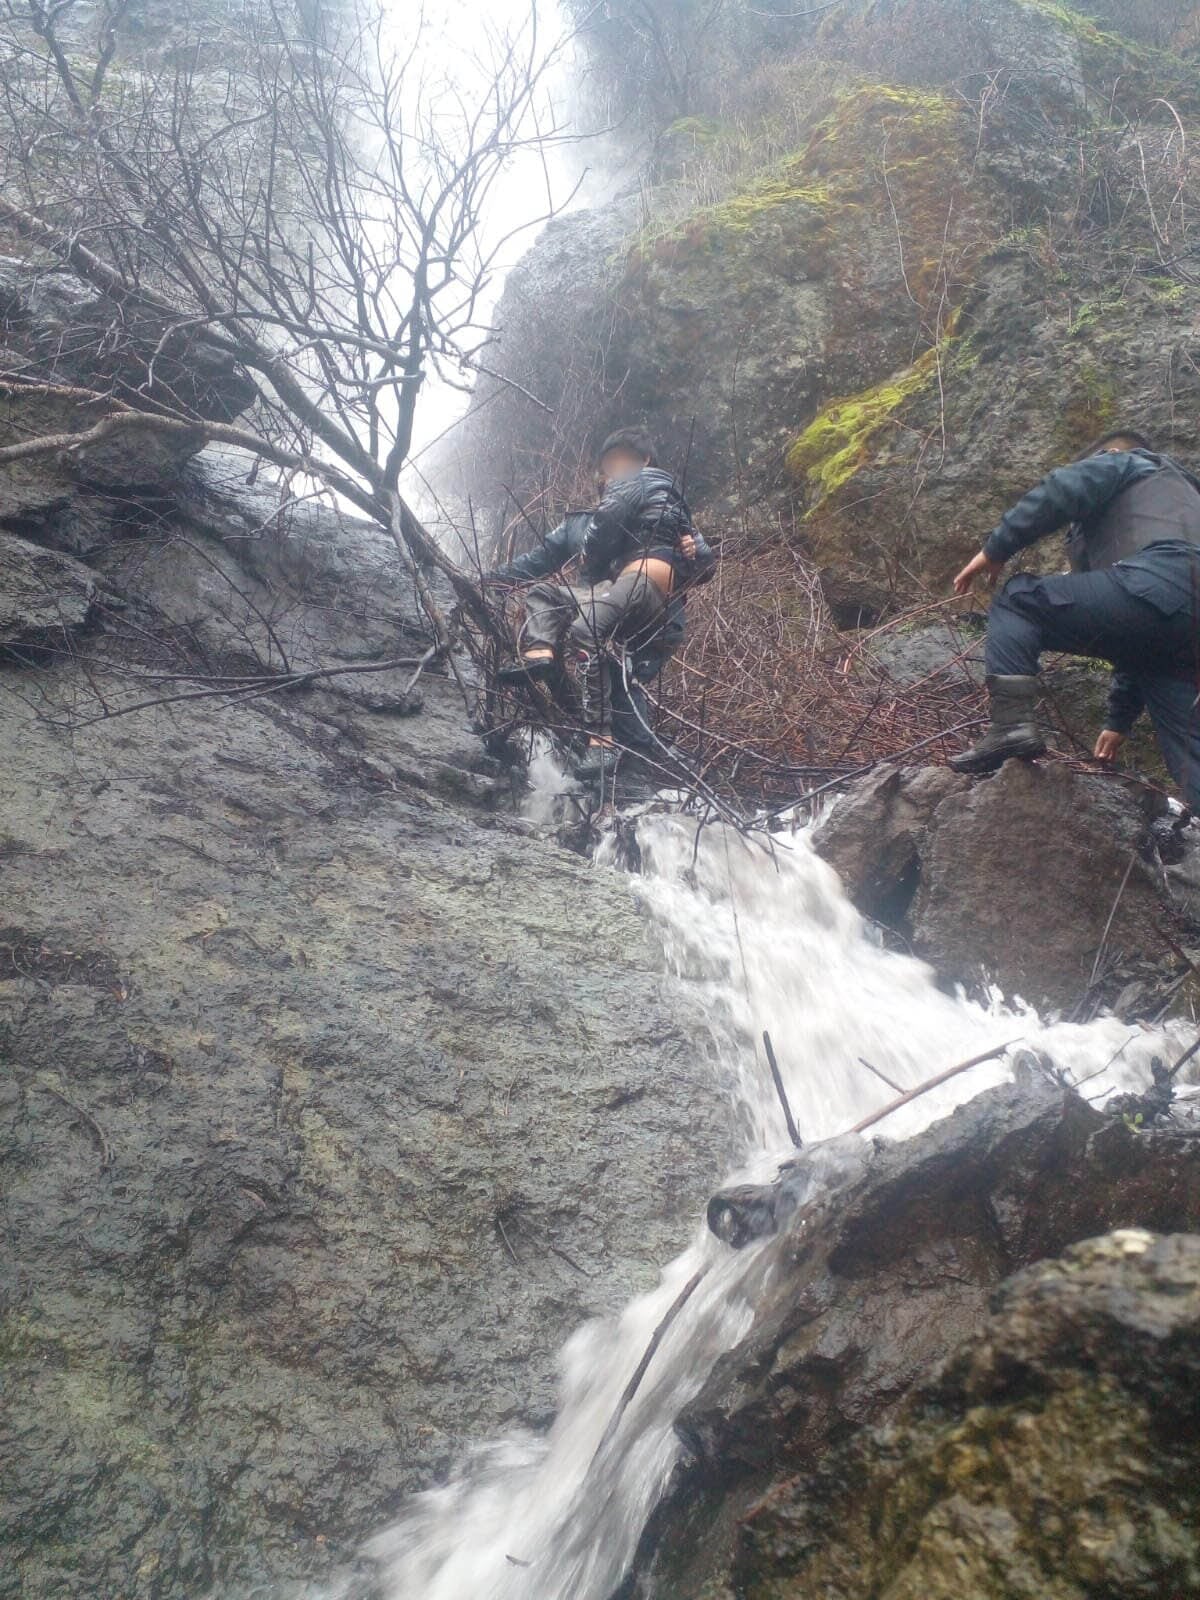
(308, 212)
(931, 1083)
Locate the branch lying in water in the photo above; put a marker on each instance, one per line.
(942, 1077)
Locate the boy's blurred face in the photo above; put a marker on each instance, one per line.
(617, 464)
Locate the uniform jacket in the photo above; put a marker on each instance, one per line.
(1128, 507)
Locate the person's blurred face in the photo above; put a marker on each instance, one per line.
(618, 464)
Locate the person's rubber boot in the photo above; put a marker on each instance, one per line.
(1013, 731)
(527, 669)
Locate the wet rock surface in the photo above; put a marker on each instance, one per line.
(1055, 1454)
(44, 596)
(1064, 888)
(873, 837)
(785, 1488)
(331, 1099)
(1063, 877)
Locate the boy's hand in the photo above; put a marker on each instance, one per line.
(687, 546)
(976, 565)
(1108, 745)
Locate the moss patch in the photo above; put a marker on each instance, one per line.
(740, 212)
(1091, 408)
(828, 174)
(833, 446)
(1136, 71)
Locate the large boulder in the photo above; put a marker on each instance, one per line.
(873, 837)
(1039, 877)
(1045, 881)
(1056, 1454)
(70, 333)
(333, 1100)
(58, 332)
(886, 1274)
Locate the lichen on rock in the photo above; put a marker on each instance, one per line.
(834, 444)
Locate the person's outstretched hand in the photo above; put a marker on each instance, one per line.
(687, 546)
(1108, 745)
(973, 568)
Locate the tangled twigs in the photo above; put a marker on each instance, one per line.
(795, 706)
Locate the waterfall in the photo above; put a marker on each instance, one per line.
(762, 937)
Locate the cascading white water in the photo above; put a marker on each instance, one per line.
(763, 937)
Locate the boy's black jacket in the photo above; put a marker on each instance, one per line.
(643, 515)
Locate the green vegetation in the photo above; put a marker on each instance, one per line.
(1172, 291)
(1092, 408)
(739, 213)
(1088, 314)
(833, 446)
(700, 130)
(1132, 70)
(922, 105)
(830, 169)
(1083, 27)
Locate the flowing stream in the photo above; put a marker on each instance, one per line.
(762, 938)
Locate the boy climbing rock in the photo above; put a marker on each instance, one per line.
(638, 555)
(1132, 598)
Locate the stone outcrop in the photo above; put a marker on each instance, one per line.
(882, 335)
(786, 1487)
(1060, 887)
(1054, 1454)
(332, 1098)
(44, 597)
(873, 839)
(58, 332)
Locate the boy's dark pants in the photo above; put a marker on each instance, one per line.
(1123, 615)
(629, 611)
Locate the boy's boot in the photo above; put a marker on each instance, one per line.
(1013, 731)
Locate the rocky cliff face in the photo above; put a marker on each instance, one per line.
(832, 1453)
(952, 277)
(890, 265)
(332, 1098)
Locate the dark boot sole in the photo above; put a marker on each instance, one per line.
(977, 766)
(518, 672)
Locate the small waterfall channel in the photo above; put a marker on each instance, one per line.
(763, 937)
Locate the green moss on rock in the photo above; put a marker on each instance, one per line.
(830, 450)
(1053, 1457)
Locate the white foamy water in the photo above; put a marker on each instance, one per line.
(761, 937)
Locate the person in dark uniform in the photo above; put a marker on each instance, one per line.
(1131, 598)
(638, 554)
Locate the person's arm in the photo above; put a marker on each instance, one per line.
(1125, 705)
(553, 552)
(617, 511)
(1068, 494)
(695, 549)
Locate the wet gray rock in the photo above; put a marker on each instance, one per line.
(56, 330)
(873, 835)
(1054, 1454)
(70, 333)
(1064, 888)
(44, 596)
(332, 1099)
(917, 654)
(1040, 876)
(877, 1281)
